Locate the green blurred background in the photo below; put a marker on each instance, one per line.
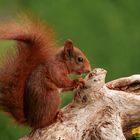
(108, 31)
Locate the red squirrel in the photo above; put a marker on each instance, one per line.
(31, 79)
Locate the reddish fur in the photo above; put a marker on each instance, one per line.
(33, 47)
(29, 81)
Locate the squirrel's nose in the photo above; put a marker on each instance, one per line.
(87, 70)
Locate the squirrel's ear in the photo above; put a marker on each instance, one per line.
(68, 48)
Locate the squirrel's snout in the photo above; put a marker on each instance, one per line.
(87, 70)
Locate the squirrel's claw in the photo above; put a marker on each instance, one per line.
(60, 116)
(80, 83)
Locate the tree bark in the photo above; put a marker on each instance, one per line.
(98, 111)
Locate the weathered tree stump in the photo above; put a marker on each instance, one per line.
(98, 112)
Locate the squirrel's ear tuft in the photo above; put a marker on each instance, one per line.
(68, 48)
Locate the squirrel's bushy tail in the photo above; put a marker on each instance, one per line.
(35, 44)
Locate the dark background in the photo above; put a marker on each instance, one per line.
(108, 32)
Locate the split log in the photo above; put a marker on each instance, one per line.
(98, 112)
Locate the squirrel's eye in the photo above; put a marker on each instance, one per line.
(80, 59)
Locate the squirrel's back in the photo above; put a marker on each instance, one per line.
(35, 43)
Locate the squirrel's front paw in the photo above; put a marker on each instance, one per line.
(79, 83)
